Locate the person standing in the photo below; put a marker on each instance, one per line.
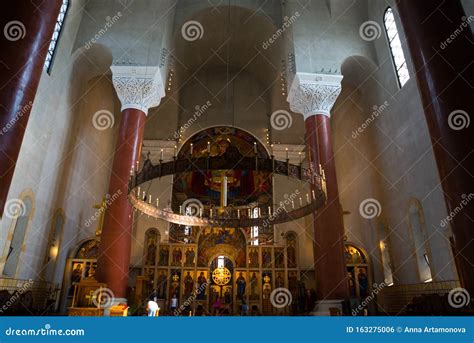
(174, 303)
(152, 308)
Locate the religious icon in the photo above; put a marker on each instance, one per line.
(241, 284)
(363, 282)
(190, 254)
(267, 257)
(177, 256)
(76, 273)
(202, 282)
(164, 255)
(240, 260)
(291, 254)
(174, 283)
(151, 252)
(188, 284)
(253, 287)
(279, 258)
(227, 296)
(162, 283)
(279, 282)
(253, 255)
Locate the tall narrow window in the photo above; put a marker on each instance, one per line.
(54, 39)
(18, 239)
(420, 240)
(396, 47)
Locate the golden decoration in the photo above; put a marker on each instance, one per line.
(221, 276)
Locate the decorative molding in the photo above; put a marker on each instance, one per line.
(139, 87)
(312, 94)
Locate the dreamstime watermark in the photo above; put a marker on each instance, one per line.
(289, 199)
(199, 111)
(465, 200)
(108, 201)
(15, 296)
(281, 297)
(459, 297)
(109, 22)
(370, 30)
(287, 22)
(464, 24)
(46, 331)
(14, 30)
(280, 120)
(192, 30)
(103, 297)
(14, 208)
(103, 120)
(192, 207)
(191, 298)
(376, 290)
(17, 117)
(377, 110)
(458, 120)
(370, 208)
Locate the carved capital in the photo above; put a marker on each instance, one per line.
(312, 94)
(139, 87)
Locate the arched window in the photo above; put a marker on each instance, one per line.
(396, 47)
(416, 222)
(152, 239)
(54, 39)
(53, 245)
(16, 244)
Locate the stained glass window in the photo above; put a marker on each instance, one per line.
(54, 39)
(396, 47)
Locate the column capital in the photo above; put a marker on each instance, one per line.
(139, 87)
(312, 94)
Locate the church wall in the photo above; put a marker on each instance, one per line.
(319, 26)
(39, 164)
(403, 164)
(134, 31)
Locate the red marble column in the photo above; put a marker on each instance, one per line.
(27, 30)
(115, 244)
(442, 50)
(329, 263)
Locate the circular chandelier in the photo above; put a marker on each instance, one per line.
(195, 214)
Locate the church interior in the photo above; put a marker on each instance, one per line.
(237, 158)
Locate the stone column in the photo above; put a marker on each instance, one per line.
(138, 88)
(313, 95)
(27, 30)
(441, 47)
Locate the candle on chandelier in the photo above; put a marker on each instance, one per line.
(191, 149)
(292, 204)
(210, 212)
(255, 147)
(157, 202)
(312, 193)
(269, 211)
(259, 213)
(180, 209)
(307, 198)
(144, 195)
(175, 150)
(300, 157)
(271, 149)
(138, 191)
(286, 149)
(208, 147)
(301, 201)
(200, 212)
(149, 199)
(238, 214)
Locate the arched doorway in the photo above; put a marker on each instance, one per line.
(221, 290)
(358, 275)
